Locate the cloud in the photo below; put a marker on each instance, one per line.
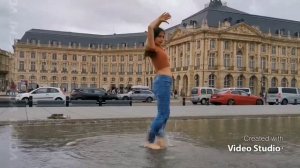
(114, 16)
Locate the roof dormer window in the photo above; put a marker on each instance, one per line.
(73, 44)
(124, 45)
(54, 43)
(92, 45)
(32, 41)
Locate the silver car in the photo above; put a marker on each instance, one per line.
(141, 95)
(283, 95)
(202, 94)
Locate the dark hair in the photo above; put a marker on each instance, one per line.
(150, 53)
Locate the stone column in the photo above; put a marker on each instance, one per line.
(221, 55)
(234, 55)
(247, 58)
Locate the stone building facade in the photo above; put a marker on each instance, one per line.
(4, 69)
(217, 47)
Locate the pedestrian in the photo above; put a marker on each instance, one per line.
(182, 93)
(175, 94)
(8, 90)
(13, 88)
(162, 82)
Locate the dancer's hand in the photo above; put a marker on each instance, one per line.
(164, 17)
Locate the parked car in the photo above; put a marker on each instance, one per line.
(91, 94)
(283, 95)
(140, 87)
(142, 95)
(42, 93)
(202, 94)
(235, 97)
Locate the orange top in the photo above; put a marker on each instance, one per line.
(161, 59)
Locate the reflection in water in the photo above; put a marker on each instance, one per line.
(198, 143)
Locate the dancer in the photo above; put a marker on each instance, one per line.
(162, 82)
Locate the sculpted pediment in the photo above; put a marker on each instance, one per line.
(243, 29)
(177, 33)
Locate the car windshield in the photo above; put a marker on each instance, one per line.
(273, 90)
(194, 91)
(223, 92)
(246, 90)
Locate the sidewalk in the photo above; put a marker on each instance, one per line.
(34, 114)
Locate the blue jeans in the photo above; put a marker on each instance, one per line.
(162, 88)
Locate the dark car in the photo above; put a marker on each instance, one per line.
(92, 94)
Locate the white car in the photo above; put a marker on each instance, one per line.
(43, 93)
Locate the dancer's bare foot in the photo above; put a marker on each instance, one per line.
(162, 142)
(152, 146)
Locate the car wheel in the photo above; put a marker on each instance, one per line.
(284, 102)
(271, 103)
(194, 103)
(79, 98)
(231, 102)
(259, 102)
(125, 98)
(149, 100)
(58, 99)
(203, 101)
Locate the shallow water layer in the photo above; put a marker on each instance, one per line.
(194, 143)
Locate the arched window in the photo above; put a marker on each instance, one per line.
(284, 82)
(211, 80)
(240, 81)
(228, 81)
(294, 83)
(274, 82)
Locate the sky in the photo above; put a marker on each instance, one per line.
(115, 16)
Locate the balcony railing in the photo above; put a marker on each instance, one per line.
(212, 67)
(185, 68)
(229, 67)
(43, 71)
(284, 71)
(294, 72)
(74, 72)
(265, 70)
(241, 68)
(274, 70)
(178, 69)
(196, 67)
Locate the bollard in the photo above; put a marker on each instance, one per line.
(277, 102)
(183, 101)
(100, 101)
(295, 102)
(67, 101)
(130, 103)
(207, 101)
(30, 101)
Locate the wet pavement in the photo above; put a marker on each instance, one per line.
(113, 143)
